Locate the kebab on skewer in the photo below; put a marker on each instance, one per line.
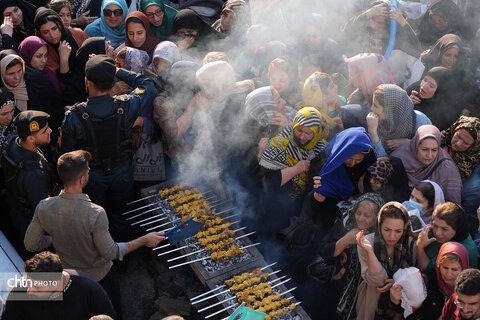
(279, 312)
(215, 237)
(168, 191)
(225, 254)
(249, 282)
(244, 276)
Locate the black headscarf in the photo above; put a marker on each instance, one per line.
(189, 19)
(26, 28)
(449, 11)
(95, 45)
(441, 109)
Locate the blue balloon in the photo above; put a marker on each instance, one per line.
(393, 34)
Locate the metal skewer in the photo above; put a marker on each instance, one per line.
(164, 224)
(188, 245)
(140, 208)
(205, 258)
(217, 203)
(141, 199)
(153, 221)
(223, 286)
(234, 297)
(194, 252)
(223, 211)
(149, 218)
(142, 213)
(225, 291)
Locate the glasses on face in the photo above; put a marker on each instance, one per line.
(157, 13)
(465, 306)
(109, 13)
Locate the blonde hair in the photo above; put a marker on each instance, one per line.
(449, 257)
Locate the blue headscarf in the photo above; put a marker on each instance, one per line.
(99, 28)
(335, 180)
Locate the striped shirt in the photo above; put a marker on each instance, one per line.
(79, 230)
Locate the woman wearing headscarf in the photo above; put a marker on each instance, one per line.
(442, 17)
(34, 51)
(381, 254)
(7, 112)
(64, 10)
(75, 90)
(165, 55)
(21, 14)
(392, 120)
(426, 196)
(286, 158)
(451, 52)
(388, 178)
(423, 158)
(40, 80)
(234, 19)
(137, 30)
(367, 71)
(193, 35)
(160, 17)
(320, 92)
(462, 142)
(284, 166)
(340, 244)
(434, 96)
(346, 159)
(342, 163)
(61, 44)
(451, 260)
(30, 90)
(370, 31)
(268, 112)
(111, 23)
(449, 223)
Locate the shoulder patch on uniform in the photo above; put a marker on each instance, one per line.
(139, 91)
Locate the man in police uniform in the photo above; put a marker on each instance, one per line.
(29, 177)
(103, 126)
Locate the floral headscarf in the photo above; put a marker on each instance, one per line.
(467, 160)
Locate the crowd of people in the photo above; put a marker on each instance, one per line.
(347, 133)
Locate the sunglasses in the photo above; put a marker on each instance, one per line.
(109, 13)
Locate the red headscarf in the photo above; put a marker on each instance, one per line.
(150, 43)
(460, 251)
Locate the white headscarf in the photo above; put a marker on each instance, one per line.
(167, 50)
(19, 92)
(439, 198)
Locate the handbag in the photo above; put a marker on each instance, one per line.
(149, 160)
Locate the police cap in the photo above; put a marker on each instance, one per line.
(100, 68)
(28, 122)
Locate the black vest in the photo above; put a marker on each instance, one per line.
(105, 138)
(17, 199)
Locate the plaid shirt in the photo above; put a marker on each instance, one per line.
(79, 230)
